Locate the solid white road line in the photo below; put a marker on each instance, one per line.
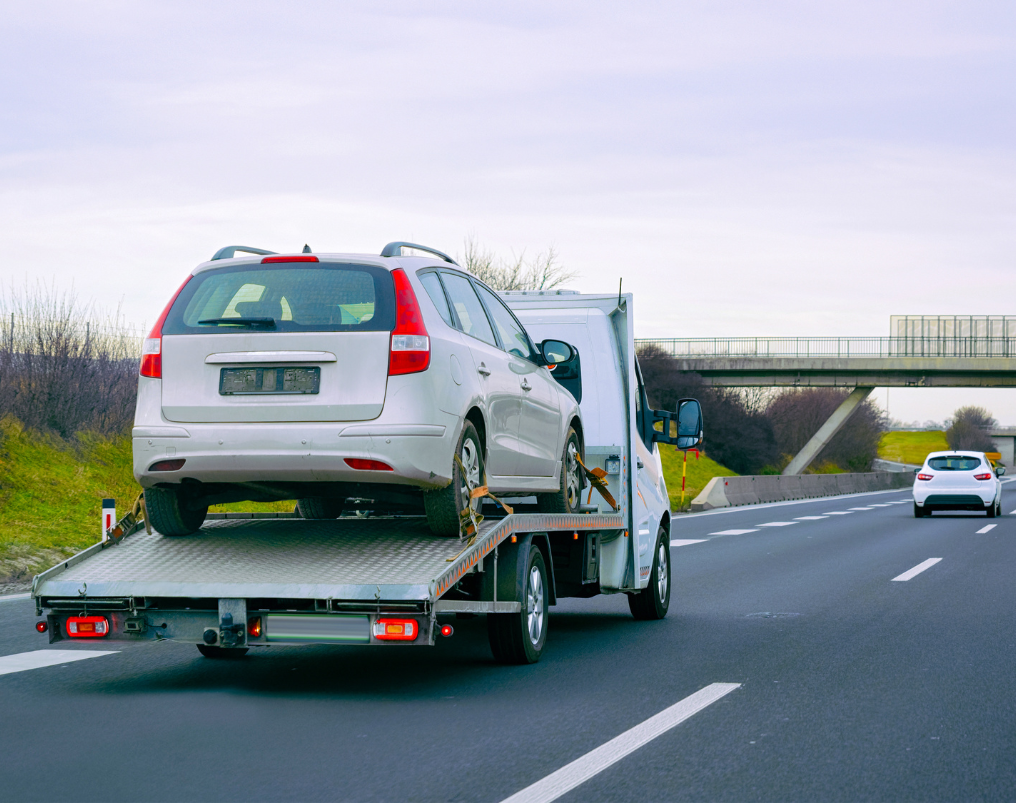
(776, 524)
(920, 567)
(596, 761)
(983, 530)
(41, 658)
(810, 518)
(26, 595)
(734, 532)
(686, 541)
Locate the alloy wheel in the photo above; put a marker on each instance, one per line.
(662, 571)
(573, 488)
(534, 605)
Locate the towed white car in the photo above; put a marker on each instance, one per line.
(958, 481)
(334, 377)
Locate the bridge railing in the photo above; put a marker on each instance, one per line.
(776, 347)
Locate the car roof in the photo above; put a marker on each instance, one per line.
(389, 263)
(955, 453)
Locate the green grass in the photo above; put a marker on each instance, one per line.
(911, 447)
(700, 471)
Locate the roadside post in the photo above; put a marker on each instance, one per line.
(108, 517)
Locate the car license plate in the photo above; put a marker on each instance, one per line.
(268, 381)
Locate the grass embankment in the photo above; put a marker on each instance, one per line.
(700, 471)
(911, 447)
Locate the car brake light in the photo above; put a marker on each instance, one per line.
(151, 349)
(396, 630)
(410, 352)
(925, 476)
(167, 465)
(360, 464)
(982, 476)
(87, 626)
(299, 258)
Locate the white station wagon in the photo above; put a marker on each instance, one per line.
(345, 380)
(958, 481)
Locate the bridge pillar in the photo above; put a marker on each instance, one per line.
(828, 430)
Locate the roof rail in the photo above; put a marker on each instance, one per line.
(228, 251)
(395, 250)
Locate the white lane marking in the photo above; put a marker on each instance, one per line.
(26, 595)
(837, 512)
(886, 504)
(920, 567)
(986, 529)
(776, 524)
(41, 658)
(810, 518)
(734, 532)
(606, 755)
(686, 541)
(1012, 512)
(860, 508)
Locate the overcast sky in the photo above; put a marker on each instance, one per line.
(773, 168)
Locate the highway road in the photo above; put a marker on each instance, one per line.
(870, 655)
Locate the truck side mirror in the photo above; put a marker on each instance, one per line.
(556, 352)
(682, 428)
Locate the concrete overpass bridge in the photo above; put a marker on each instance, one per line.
(860, 363)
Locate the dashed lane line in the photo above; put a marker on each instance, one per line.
(596, 761)
(920, 567)
(860, 508)
(734, 532)
(810, 518)
(776, 524)
(837, 513)
(986, 529)
(40, 658)
(686, 541)
(881, 504)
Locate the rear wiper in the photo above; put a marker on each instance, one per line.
(268, 323)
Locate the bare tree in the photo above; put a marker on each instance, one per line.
(542, 272)
(970, 430)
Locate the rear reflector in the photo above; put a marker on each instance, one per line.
(42, 627)
(87, 626)
(982, 476)
(367, 465)
(925, 476)
(299, 258)
(396, 630)
(410, 351)
(167, 465)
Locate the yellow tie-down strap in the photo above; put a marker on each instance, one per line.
(597, 481)
(470, 518)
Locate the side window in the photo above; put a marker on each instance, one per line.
(512, 335)
(468, 308)
(432, 284)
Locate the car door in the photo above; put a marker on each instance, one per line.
(541, 435)
(650, 499)
(499, 381)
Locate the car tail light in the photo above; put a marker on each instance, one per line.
(410, 352)
(254, 627)
(151, 349)
(982, 476)
(167, 465)
(396, 630)
(87, 626)
(361, 464)
(925, 476)
(298, 258)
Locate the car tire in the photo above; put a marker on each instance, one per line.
(653, 601)
(519, 638)
(443, 506)
(993, 511)
(568, 497)
(319, 507)
(171, 512)
(919, 512)
(211, 651)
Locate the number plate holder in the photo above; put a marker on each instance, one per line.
(283, 381)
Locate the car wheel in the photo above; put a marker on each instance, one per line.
(919, 512)
(569, 496)
(653, 601)
(519, 638)
(317, 507)
(992, 511)
(444, 506)
(210, 651)
(172, 512)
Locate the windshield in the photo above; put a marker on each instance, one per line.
(285, 298)
(955, 463)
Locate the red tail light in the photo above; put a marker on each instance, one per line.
(410, 352)
(299, 258)
(925, 476)
(151, 350)
(982, 476)
(361, 464)
(87, 627)
(396, 629)
(42, 627)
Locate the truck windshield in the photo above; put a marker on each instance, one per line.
(285, 298)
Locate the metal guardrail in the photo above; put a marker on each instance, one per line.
(840, 347)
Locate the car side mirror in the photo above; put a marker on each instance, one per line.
(556, 352)
(1000, 471)
(683, 428)
(917, 470)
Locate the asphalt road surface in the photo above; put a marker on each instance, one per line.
(852, 683)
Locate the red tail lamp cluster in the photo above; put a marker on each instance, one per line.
(151, 350)
(982, 476)
(396, 629)
(925, 476)
(87, 627)
(410, 351)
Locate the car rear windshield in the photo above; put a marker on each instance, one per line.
(957, 463)
(285, 298)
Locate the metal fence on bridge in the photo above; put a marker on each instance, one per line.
(841, 347)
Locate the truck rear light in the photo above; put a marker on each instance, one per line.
(982, 476)
(447, 630)
(297, 258)
(42, 627)
(87, 626)
(925, 476)
(151, 349)
(254, 627)
(167, 465)
(396, 630)
(410, 350)
(367, 465)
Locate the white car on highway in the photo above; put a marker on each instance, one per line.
(958, 481)
(334, 377)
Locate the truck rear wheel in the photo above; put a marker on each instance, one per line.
(519, 638)
(318, 507)
(172, 512)
(569, 496)
(653, 601)
(444, 505)
(210, 651)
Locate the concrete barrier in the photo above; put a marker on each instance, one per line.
(752, 490)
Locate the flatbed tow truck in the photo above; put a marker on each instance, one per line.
(249, 580)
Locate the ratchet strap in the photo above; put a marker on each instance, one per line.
(126, 524)
(470, 517)
(597, 481)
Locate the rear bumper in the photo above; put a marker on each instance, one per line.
(955, 499)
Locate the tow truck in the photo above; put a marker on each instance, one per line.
(251, 580)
